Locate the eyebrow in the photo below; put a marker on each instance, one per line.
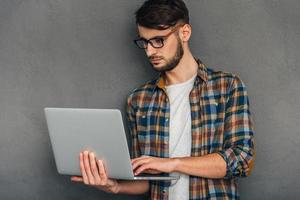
(158, 36)
(162, 36)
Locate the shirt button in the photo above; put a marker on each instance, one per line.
(164, 191)
(167, 119)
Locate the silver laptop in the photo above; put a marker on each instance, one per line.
(73, 130)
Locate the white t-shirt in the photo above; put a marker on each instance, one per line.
(180, 138)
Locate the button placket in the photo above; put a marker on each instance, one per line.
(165, 194)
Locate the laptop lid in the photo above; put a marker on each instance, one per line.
(73, 130)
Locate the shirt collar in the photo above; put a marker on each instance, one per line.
(201, 72)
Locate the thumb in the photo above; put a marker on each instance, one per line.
(76, 179)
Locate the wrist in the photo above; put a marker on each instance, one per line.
(117, 188)
(175, 164)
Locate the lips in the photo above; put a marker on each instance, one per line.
(155, 61)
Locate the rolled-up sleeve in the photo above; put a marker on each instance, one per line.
(238, 150)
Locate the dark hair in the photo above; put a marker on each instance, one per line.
(162, 14)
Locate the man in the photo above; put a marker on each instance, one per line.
(191, 120)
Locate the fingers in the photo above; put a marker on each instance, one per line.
(143, 168)
(102, 172)
(94, 169)
(147, 164)
(140, 165)
(139, 158)
(138, 162)
(82, 169)
(87, 166)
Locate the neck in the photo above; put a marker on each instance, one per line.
(185, 70)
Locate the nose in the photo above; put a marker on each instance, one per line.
(150, 50)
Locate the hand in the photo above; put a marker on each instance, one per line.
(153, 165)
(94, 174)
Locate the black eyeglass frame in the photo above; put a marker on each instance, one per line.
(161, 38)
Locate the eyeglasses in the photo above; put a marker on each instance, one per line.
(156, 42)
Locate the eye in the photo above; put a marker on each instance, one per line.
(157, 40)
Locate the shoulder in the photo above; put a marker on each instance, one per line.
(142, 92)
(223, 79)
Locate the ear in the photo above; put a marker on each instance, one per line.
(186, 32)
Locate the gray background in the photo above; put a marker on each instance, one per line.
(72, 53)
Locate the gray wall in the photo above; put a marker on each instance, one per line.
(76, 53)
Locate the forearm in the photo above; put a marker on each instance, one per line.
(133, 187)
(208, 166)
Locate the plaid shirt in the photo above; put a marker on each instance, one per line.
(221, 123)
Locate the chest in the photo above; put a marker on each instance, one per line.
(207, 112)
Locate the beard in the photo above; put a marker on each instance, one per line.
(173, 62)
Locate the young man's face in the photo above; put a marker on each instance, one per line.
(167, 57)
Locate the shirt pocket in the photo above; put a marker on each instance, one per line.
(142, 120)
(150, 136)
(143, 130)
